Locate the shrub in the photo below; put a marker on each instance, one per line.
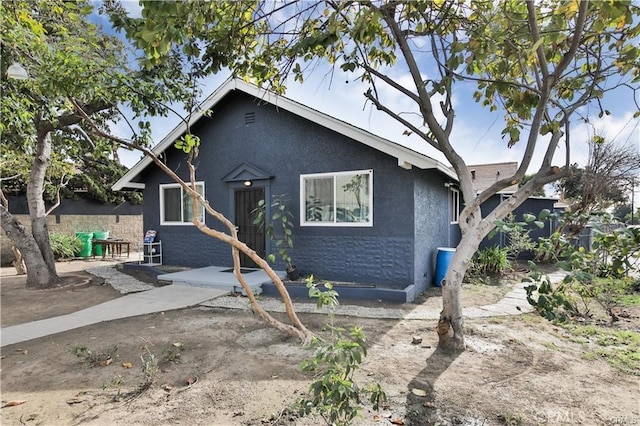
(334, 394)
(490, 261)
(600, 275)
(551, 302)
(64, 246)
(517, 232)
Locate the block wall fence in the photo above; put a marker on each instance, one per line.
(126, 227)
(123, 221)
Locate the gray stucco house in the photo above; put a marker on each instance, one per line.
(485, 175)
(366, 209)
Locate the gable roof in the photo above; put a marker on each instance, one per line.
(407, 158)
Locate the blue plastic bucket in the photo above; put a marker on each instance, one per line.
(443, 260)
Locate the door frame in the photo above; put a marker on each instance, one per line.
(263, 184)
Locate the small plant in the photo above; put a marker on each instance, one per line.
(617, 251)
(550, 302)
(172, 354)
(334, 394)
(567, 226)
(517, 233)
(602, 275)
(64, 246)
(282, 220)
(148, 366)
(117, 382)
(490, 261)
(95, 358)
(518, 238)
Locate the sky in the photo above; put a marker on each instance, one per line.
(476, 135)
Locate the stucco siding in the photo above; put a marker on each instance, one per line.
(530, 206)
(286, 146)
(374, 260)
(432, 224)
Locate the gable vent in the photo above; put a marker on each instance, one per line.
(249, 117)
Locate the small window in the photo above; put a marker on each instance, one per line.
(176, 206)
(454, 205)
(337, 199)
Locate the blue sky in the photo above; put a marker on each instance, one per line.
(476, 135)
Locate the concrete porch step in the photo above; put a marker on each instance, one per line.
(218, 277)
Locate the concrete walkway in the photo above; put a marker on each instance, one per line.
(514, 303)
(159, 299)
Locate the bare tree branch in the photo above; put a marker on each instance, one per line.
(298, 329)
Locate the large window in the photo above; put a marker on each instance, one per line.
(454, 205)
(176, 206)
(337, 199)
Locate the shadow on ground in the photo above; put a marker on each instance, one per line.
(421, 410)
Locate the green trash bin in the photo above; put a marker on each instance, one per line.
(85, 238)
(100, 235)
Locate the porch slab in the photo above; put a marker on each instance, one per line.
(220, 277)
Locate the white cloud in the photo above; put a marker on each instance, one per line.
(133, 8)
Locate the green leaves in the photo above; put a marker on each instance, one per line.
(600, 274)
(279, 228)
(334, 393)
(550, 301)
(69, 58)
(188, 143)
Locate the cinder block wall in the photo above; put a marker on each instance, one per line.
(126, 227)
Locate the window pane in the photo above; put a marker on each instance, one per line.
(352, 198)
(200, 189)
(454, 204)
(172, 203)
(188, 205)
(318, 197)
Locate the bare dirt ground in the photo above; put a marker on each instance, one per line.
(225, 367)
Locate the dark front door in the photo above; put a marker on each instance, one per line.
(246, 201)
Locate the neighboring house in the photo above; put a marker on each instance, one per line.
(485, 175)
(366, 209)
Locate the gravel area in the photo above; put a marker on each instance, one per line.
(121, 282)
(276, 305)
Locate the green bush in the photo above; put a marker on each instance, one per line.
(334, 393)
(64, 246)
(601, 276)
(490, 261)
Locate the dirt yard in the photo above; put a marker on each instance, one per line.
(225, 367)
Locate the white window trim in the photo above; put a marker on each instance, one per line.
(454, 207)
(162, 187)
(303, 213)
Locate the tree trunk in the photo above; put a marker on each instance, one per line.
(38, 275)
(451, 324)
(298, 329)
(37, 210)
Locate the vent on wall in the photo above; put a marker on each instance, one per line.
(249, 117)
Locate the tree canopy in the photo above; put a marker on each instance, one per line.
(536, 63)
(71, 63)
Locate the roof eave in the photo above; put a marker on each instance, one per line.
(404, 155)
